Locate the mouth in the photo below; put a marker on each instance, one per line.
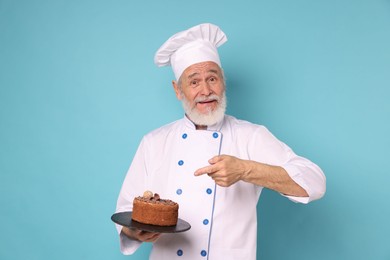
(207, 104)
(207, 101)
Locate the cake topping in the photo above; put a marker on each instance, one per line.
(148, 194)
(156, 196)
(149, 197)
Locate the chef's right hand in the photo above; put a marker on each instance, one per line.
(140, 235)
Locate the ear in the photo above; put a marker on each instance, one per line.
(177, 90)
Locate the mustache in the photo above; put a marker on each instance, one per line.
(207, 99)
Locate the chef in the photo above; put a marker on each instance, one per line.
(212, 164)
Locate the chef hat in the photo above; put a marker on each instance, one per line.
(197, 44)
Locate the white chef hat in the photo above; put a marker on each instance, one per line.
(197, 44)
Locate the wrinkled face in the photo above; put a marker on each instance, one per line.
(202, 91)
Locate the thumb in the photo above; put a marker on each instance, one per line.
(215, 159)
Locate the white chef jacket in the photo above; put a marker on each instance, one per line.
(223, 219)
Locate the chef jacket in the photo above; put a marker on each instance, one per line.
(223, 219)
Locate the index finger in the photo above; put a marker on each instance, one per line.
(204, 170)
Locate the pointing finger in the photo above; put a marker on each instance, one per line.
(206, 170)
(201, 171)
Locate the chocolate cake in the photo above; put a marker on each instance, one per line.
(151, 209)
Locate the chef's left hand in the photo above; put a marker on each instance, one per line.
(225, 170)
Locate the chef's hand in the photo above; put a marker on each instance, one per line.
(140, 235)
(225, 170)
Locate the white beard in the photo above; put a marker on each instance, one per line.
(212, 117)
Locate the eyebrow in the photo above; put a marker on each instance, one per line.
(213, 71)
(193, 75)
(196, 73)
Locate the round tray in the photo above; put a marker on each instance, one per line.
(124, 219)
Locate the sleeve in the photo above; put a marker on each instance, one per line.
(133, 185)
(304, 172)
(307, 175)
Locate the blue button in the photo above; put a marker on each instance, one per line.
(215, 135)
(184, 136)
(179, 252)
(180, 162)
(205, 222)
(179, 191)
(203, 253)
(209, 191)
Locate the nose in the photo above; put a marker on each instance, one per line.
(205, 89)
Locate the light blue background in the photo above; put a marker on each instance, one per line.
(78, 90)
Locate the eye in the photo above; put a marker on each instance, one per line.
(213, 79)
(193, 83)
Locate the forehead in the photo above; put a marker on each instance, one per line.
(202, 67)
